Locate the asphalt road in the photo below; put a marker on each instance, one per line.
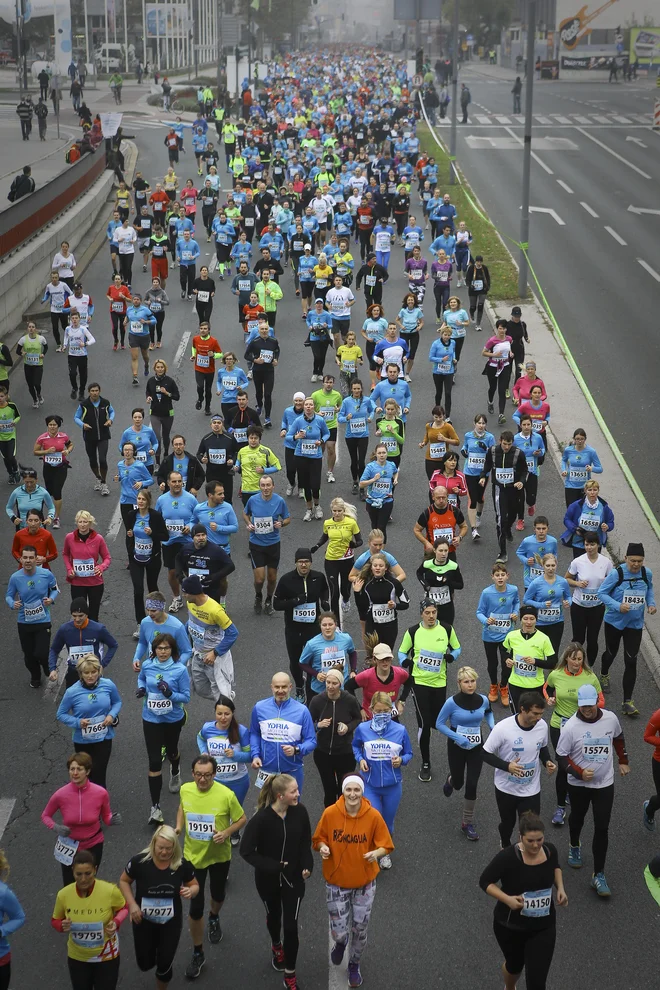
(431, 926)
(598, 269)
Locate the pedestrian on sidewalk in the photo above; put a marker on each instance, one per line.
(44, 79)
(466, 99)
(82, 73)
(41, 112)
(24, 111)
(75, 93)
(22, 185)
(517, 90)
(139, 72)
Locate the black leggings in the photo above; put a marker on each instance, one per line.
(290, 466)
(476, 492)
(138, 572)
(511, 806)
(357, 450)
(93, 595)
(387, 632)
(445, 382)
(477, 303)
(78, 373)
(379, 516)
(282, 907)
(441, 292)
(33, 375)
(401, 220)
(8, 452)
(428, 702)
(126, 267)
(58, 320)
(632, 639)
(365, 243)
(601, 800)
(118, 328)
(35, 644)
(498, 383)
(337, 572)
(527, 494)
(156, 945)
(158, 735)
(263, 376)
(309, 476)
(561, 778)
(187, 276)
(100, 753)
(332, 768)
(97, 455)
(204, 383)
(94, 976)
(495, 652)
(465, 765)
(654, 801)
(295, 639)
(319, 351)
(156, 332)
(530, 951)
(5, 976)
(162, 427)
(586, 623)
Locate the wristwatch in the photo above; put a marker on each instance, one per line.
(296, 750)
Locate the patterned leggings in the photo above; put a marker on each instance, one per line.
(343, 902)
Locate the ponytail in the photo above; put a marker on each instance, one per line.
(274, 785)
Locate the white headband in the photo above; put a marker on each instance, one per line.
(352, 779)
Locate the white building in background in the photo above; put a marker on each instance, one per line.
(338, 21)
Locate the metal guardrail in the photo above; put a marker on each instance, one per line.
(25, 218)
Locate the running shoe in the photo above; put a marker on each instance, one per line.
(470, 832)
(337, 954)
(478, 329)
(648, 823)
(502, 558)
(268, 607)
(97, 485)
(104, 489)
(235, 839)
(258, 410)
(501, 419)
(198, 404)
(407, 378)
(267, 423)
(345, 605)
(605, 683)
(491, 407)
(175, 782)
(355, 489)
(176, 604)
(520, 525)
(301, 493)
(194, 967)
(41, 400)
(425, 772)
(249, 374)
(330, 478)
(136, 634)
(628, 707)
(575, 856)
(277, 951)
(504, 695)
(35, 684)
(475, 534)
(318, 512)
(559, 817)
(308, 516)
(257, 605)
(35, 404)
(56, 522)
(385, 863)
(134, 381)
(156, 815)
(599, 884)
(507, 394)
(74, 393)
(531, 509)
(448, 787)
(354, 975)
(290, 982)
(289, 490)
(494, 693)
(214, 930)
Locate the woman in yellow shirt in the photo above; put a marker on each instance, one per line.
(323, 275)
(349, 359)
(342, 534)
(90, 912)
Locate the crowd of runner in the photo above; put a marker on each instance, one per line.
(326, 165)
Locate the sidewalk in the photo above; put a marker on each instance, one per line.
(45, 157)
(501, 73)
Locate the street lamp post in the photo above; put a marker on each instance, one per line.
(454, 95)
(527, 149)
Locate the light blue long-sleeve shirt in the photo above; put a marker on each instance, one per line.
(633, 590)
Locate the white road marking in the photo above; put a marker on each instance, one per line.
(652, 272)
(617, 237)
(519, 120)
(115, 524)
(620, 120)
(6, 808)
(542, 120)
(546, 209)
(560, 119)
(534, 155)
(181, 349)
(590, 211)
(580, 119)
(642, 209)
(482, 119)
(636, 140)
(614, 154)
(565, 186)
(502, 119)
(600, 119)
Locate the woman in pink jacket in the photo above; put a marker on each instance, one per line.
(522, 390)
(86, 557)
(82, 807)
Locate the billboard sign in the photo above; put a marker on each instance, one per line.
(645, 45)
(576, 20)
(416, 10)
(167, 20)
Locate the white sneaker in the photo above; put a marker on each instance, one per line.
(313, 378)
(156, 815)
(408, 379)
(175, 782)
(35, 404)
(330, 478)
(136, 634)
(301, 493)
(308, 516)
(105, 490)
(318, 512)
(249, 374)
(289, 489)
(345, 605)
(385, 863)
(177, 603)
(475, 534)
(97, 485)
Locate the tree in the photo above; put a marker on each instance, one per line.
(486, 19)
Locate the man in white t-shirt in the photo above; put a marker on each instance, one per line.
(516, 748)
(585, 575)
(586, 754)
(125, 238)
(339, 301)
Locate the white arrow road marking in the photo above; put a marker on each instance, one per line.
(647, 267)
(642, 209)
(638, 141)
(534, 155)
(546, 209)
(614, 154)
(617, 237)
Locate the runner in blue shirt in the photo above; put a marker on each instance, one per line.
(30, 593)
(177, 507)
(265, 514)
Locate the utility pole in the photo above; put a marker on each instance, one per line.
(454, 95)
(527, 149)
(218, 35)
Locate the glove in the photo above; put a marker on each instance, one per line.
(140, 693)
(116, 819)
(449, 657)
(62, 830)
(165, 689)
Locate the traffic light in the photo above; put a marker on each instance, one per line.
(419, 61)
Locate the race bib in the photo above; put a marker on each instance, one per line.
(391, 444)
(536, 903)
(75, 652)
(217, 456)
(445, 534)
(240, 435)
(266, 356)
(262, 777)
(143, 549)
(83, 568)
(34, 613)
(357, 425)
(203, 295)
(531, 464)
(226, 770)
(476, 461)
(502, 621)
(65, 850)
(596, 750)
(137, 326)
(141, 456)
(203, 360)
(248, 221)
(538, 425)
(158, 910)
(504, 475)
(469, 732)
(53, 460)
(348, 367)
(428, 660)
(332, 658)
(159, 705)
(321, 283)
(635, 601)
(477, 284)
(95, 731)
(263, 524)
(442, 276)
(370, 280)
(440, 595)
(304, 613)
(552, 614)
(32, 359)
(200, 827)
(529, 772)
(437, 450)
(522, 668)
(117, 307)
(381, 613)
(244, 285)
(175, 525)
(76, 351)
(186, 255)
(589, 599)
(578, 474)
(88, 935)
(229, 382)
(308, 448)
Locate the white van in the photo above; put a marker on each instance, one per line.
(113, 56)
